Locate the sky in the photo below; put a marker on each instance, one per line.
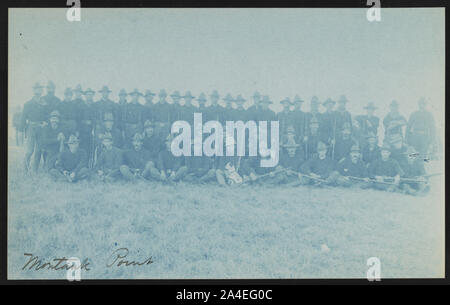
(278, 52)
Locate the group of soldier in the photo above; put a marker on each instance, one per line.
(80, 137)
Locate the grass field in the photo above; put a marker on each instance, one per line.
(194, 231)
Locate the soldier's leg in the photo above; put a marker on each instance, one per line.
(113, 175)
(305, 180)
(180, 173)
(30, 145)
(57, 175)
(332, 178)
(190, 177)
(209, 176)
(83, 173)
(126, 173)
(37, 151)
(220, 176)
(343, 181)
(150, 170)
(50, 160)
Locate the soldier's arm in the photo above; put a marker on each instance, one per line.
(83, 162)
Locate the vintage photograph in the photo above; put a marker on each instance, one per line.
(226, 143)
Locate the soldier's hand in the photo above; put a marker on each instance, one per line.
(72, 175)
(100, 172)
(379, 178)
(163, 175)
(252, 176)
(397, 179)
(65, 173)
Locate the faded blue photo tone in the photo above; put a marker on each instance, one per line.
(226, 143)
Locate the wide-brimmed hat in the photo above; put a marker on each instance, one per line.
(240, 99)
(290, 143)
(215, 94)
(228, 98)
(105, 89)
(176, 95)
(135, 92)
(88, 90)
(148, 123)
(297, 100)
(201, 97)
(55, 113)
(342, 99)
(149, 93)
(37, 85)
(162, 93)
(73, 139)
(108, 116)
(188, 95)
(266, 100)
(329, 101)
(370, 105)
(50, 85)
(395, 138)
(286, 101)
(122, 92)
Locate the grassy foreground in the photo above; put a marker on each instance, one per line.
(194, 231)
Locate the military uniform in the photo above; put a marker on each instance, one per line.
(343, 117)
(420, 132)
(200, 169)
(370, 153)
(105, 105)
(320, 165)
(368, 124)
(299, 118)
(328, 122)
(352, 170)
(109, 162)
(132, 117)
(17, 124)
(172, 166)
(71, 112)
(87, 125)
(50, 98)
(413, 169)
(52, 141)
(393, 122)
(69, 162)
(386, 170)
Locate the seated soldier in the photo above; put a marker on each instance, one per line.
(313, 136)
(386, 171)
(200, 169)
(227, 167)
(291, 160)
(320, 169)
(72, 163)
(109, 161)
(371, 151)
(398, 147)
(152, 141)
(52, 140)
(108, 129)
(352, 170)
(344, 143)
(138, 162)
(169, 168)
(253, 172)
(413, 180)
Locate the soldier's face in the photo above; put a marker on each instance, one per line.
(291, 151)
(108, 144)
(149, 131)
(346, 133)
(54, 122)
(322, 153)
(37, 91)
(73, 147)
(68, 96)
(109, 124)
(137, 145)
(354, 155)
(385, 154)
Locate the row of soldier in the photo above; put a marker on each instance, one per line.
(90, 122)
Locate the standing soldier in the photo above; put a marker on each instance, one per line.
(397, 147)
(149, 106)
(71, 111)
(420, 132)
(299, 117)
(132, 117)
(228, 113)
(264, 112)
(51, 99)
(109, 161)
(240, 112)
(292, 158)
(202, 106)
(188, 108)
(352, 170)
(106, 105)
(34, 117)
(72, 163)
(176, 107)
(342, 115)
(368, 123)
(371, 150)
(162, 110)
(122, 97)
(138, 161)
(385, 170)
(320, 169)
(253, 109)
(87, 124)
(285, 115)
(107, 129)
(393, 122)
(214, 110)
(52, 140)
(17, 124)
(328, 122)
